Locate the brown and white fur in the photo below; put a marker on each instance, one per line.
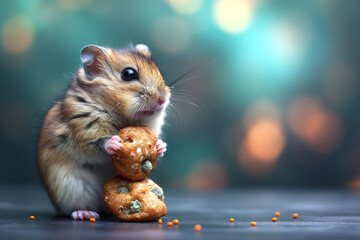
(79, 132)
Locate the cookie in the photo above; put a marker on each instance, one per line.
(134, 201)
(138, 158)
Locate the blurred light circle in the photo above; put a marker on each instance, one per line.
(251, 165)
(260, 110)
(265, 140)
(171, 34)
(233, 16)
(207, 175)
(288, 40)
(17, 35)
(321, 130)
(186, 7)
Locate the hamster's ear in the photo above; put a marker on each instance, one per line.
(91, 56)
(143, 49)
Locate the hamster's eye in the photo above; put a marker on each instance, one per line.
(129, 74)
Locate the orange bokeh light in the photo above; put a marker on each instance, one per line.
(265, 140)
(321, 130)
(17, 35)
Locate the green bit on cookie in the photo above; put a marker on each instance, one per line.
(158, 192)
(123, 190)
(135, 206)
(146, 166)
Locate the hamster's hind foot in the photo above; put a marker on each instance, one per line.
(84, 215)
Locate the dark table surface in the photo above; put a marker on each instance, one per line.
(322, 215)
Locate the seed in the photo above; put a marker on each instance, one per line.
(160, 221)
(231, 220)
(92, 220)
(170, 224)
(176, 222)
(197, 227)
(295, 215)
(277, 214)
(146, 166)
(32, 217)
(253, 224)
(135, 206)
(274, 219)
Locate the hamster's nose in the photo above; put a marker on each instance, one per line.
(160, 100)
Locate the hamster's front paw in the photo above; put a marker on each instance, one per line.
(84, 215)
(113, 144)
(161, 147)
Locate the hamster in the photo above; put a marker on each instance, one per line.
(114, 88)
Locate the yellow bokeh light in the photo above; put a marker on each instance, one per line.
(186, 7)
(17, 35)
(233, 16)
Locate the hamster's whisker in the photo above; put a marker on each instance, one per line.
(172, 106)
(138, 111)
(184, 99)
(182, 76)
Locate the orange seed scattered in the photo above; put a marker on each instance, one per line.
(160, 221)
(295, 215)
(176, 222)
(253, 224)
(170, 224)
(277, 214)
(197, 227)
(32, 217)
(92, 220)
(231, 220)
(274, 219)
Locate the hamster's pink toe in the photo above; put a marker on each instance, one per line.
(161, 147)
(84, 215)
(113, 144)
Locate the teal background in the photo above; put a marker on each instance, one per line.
(295, 58)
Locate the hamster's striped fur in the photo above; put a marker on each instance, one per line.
(72, 160)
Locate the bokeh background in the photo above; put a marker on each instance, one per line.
(272, 100)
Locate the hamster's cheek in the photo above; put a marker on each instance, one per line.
(132, 105)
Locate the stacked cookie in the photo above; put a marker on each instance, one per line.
(132, 196)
